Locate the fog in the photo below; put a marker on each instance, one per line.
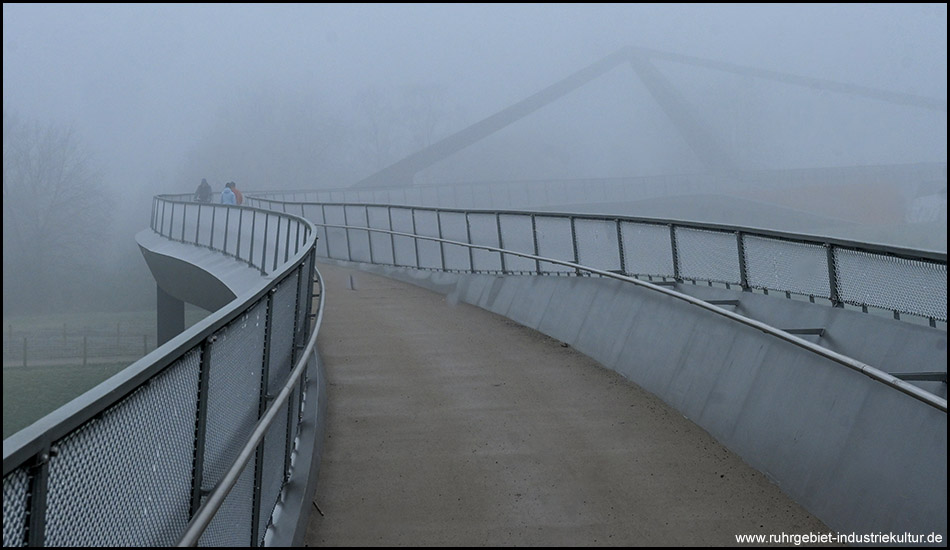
(156, 97)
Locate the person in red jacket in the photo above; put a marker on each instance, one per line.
(239, 198)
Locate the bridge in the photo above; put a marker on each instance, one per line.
(718, 379)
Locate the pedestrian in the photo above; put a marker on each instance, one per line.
(238, 196)
(203, 193)
(228, 196)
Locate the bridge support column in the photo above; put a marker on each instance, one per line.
(171, 316)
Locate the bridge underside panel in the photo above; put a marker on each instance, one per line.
(860, 455)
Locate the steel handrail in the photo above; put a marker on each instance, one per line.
(849, 362)
(206, 513)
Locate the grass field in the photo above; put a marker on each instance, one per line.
(33, 392)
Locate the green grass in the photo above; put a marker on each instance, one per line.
(33, 392)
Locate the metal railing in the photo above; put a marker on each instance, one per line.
(145, 458)
(838, 272)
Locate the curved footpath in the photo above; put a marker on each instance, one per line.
(451, 426)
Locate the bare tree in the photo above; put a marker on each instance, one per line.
(55, 213)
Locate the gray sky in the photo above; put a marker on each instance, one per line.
(141, 83)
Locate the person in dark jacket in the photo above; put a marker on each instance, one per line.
(203, 193)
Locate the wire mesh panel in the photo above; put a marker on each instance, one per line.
(484, 231)
(381, 243)
(359, 240)
(282, 333)
(554, 241)
(234, 387)
(430, 252)
(16, 492)
(597, 244)
(231, 525)
(517, 234)
(647, 249)
(405, 247)
(786, 266)
(906, 286)
(124, 478)
(336, 237)
(454, 229)
(272, 468)
(707, 255)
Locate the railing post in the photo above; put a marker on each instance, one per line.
(237, 245)
(574, 245)
(171, 223)
(198, 225)
(39, 485)
(623, 259)
(346, 222)
(277, 243)
(250, 253)
(369, 234)
(676, 259)
(500, 243)
(438, 222)
(392, 238)
(743, 274)
(534, 237)
(832, 276)
(201, 422)
(415, 240)
(264, 243)
(326, 230)
(468, 237)
(227, 228)
(263, 398)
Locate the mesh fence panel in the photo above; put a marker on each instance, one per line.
(231, 526)
(430, 252)
(484, 231)
(124, 478)
(381, 243)
(554, 241)
(234, 387)
(597, 245)
(647, 249)
(272, 472)
(405, 247)
(518, 235)
(906, 286)
(707, 255)
(783, 265)
(359, 240)
(454, 228)
(282, 334)
(16, 490)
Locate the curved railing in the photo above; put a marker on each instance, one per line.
(839, 272)
(198, 441)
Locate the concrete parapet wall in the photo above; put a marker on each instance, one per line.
(861, 456)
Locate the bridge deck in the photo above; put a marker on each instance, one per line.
(450, 426)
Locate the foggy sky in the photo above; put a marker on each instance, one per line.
(143, 82)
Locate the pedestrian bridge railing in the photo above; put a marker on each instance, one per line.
(842, 273)
(199, 441)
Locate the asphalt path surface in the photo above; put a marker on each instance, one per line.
(452, 426)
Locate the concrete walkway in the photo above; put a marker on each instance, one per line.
(452, 426)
